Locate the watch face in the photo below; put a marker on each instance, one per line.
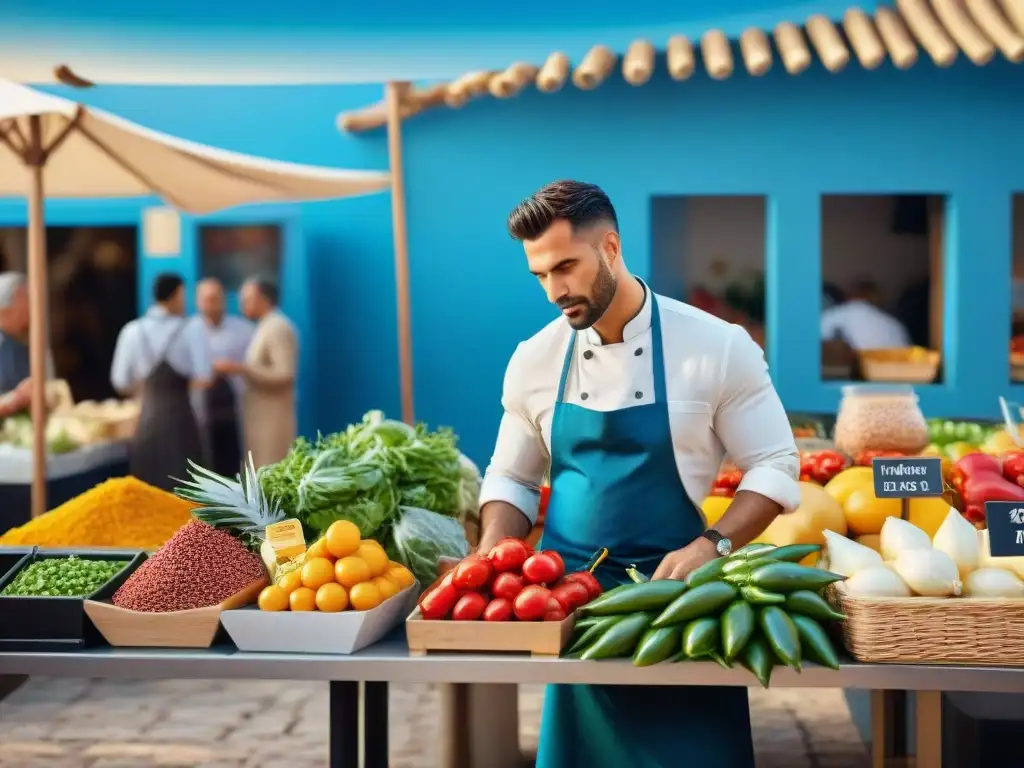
(724, 547)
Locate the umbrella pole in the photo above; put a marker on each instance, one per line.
(35, 158)
(394, 95)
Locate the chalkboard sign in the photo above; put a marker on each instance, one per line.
(907, 477)
(1005, 528)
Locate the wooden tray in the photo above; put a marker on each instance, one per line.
(538, 638)
(194, 628)
(897, 367)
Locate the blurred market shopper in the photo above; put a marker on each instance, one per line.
(15, 394)
(632, 398)
(159, 357)
(269, 370)
(861, 323)
(220, 408)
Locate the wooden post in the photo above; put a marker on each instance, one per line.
(394, 95)
(38, 315)
(936, 278)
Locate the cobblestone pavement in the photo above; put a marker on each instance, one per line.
(217, 724)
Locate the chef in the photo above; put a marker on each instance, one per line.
(632, 399)
(220, 410)
(160, 357)
(15, 384)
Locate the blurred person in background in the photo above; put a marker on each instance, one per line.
(220, 409)
(15, 368)
(270, 369)
(861, 323)
(160, 357)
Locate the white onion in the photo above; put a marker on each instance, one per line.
(929, 573)
(993, 582)
(958, 539)
(877, 581)
(899, 536)
(847, 557)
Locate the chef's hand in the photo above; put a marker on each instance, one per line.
(227, 367)
(445, 564)
(678, 564)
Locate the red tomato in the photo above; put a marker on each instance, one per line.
(470, 607)
(588, 580)
(507, 585)
(532, 603)
(499, 609)
(508, 555)
(554, 611)
(437, 603)
(570, 595)
(541, 569)
(557, 558)
(472, 573)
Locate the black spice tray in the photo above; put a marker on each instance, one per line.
(56, 623)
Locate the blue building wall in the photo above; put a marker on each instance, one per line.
(952, 132)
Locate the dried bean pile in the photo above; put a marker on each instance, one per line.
(199, 566)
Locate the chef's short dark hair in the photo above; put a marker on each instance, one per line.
(268, 288)
(166, 285)
(577, 202)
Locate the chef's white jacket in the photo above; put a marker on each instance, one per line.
(720, 400)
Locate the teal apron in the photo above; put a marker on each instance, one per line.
(615, 484)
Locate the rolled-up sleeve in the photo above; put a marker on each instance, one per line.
(753, 426)
(121, 366)
(520, 458)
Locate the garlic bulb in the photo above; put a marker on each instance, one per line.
(958, 539)
(929, 573)
(899, 536)
(847, 557)
(993, 582)
(876, 581)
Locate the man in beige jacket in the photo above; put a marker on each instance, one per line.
(269, 371)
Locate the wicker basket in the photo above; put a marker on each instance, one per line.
(928, 630)
(912, 366)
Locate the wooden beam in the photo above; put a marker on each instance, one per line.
(638, 63)
(679, 57)
(864, 39)
(827, 42)
(896, 38)
(756, 51)
(595, 68)
(717, 54)
(554, 74)
(793, 50)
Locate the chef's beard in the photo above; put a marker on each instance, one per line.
(601, 295)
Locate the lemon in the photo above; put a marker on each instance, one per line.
(714, 507)
(331, 598)
(302, 599)
(342, 538)
(273, 599)
(365, 596)
(350, 571)
(871, 541)
(865, 512)
(849, 480)
(374, 556)
(928, 513)
(317, 572)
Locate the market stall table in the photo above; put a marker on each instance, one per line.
(390, 662)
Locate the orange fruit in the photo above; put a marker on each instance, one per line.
(373, 555)
(387, 587)
(273, 598)
(365, 596)
(401, 575)
(317, 572)
(319, 549)
(849, 480)
(865, 512)
(290, 581)
(871, 541)
(331, 598)
(350, 571)
(302, 599)
(342, 538)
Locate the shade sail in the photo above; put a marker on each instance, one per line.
(91, 153)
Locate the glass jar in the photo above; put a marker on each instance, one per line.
(880, 418)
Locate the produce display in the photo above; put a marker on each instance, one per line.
(62, 577)
(340, 571)
(512, 582)
(199, 566)
(979, 478)
(758, 607)
(122, 512)
(17, 432)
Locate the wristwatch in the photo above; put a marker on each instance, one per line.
(722, 545)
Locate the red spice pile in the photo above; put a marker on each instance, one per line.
(199, 566)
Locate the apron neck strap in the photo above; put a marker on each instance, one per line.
(657, 359)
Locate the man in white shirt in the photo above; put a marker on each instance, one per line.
(631, 399)
(861, 324)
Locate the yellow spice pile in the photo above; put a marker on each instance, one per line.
(123, 512)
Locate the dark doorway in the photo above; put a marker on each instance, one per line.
(93, 294)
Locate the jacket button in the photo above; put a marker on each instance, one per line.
(639, 395)
(639, 351)
(587, 355)
(584, 396)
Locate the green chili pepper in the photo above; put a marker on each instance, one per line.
(710, 571)
(792, 553)
(635, 575)
(758, 596)
(700, 601)
(587, 638)
(620, 639)
(722, 662)
(789, 577)
(700, 637)
(656, 645)
(815, 643)
(781, 634)
(630, 598)
(757, 657)
(807, 603)
(738, 623)
(747, 552)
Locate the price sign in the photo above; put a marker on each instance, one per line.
(1005, 528)
(907, 477)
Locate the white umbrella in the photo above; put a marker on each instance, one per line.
(61, 148)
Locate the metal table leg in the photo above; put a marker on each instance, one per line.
(375, 725)
(344, 724)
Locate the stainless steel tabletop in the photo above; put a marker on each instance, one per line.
(389, 660)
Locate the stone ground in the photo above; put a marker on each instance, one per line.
(61, 723)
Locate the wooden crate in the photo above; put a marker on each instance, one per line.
(538, 638)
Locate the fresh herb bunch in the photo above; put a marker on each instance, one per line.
(62, 577)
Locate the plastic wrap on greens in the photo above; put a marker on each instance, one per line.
(420, 538)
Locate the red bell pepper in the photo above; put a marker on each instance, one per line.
(973, 465)
(1013, 467)
(979, 478)
(826, 465)
(864, 458)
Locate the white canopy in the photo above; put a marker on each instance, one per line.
(96, 154)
